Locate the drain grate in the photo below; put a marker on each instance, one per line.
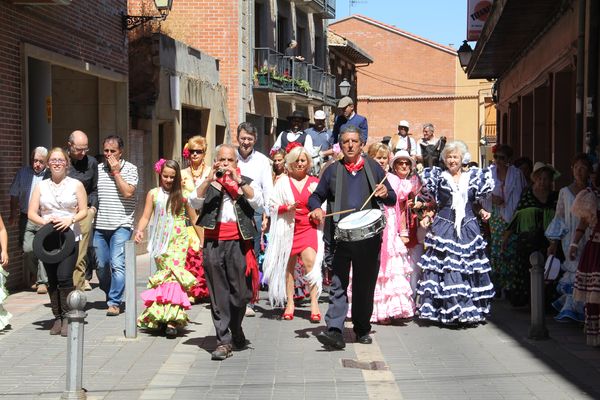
(368, 365)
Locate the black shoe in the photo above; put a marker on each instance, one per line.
(240, 343)
(332, 339)
(170, 332)
(221, 352)
(364, 339)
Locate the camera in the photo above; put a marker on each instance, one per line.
(219, 173)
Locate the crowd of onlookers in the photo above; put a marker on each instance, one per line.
(455, 236)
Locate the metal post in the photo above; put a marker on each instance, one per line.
(130, 291)
(76, 302)
(537, 330)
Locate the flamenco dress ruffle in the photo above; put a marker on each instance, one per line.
(456, 286)
(5, 316)
(166, 299)
(193, 264)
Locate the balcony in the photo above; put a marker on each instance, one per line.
(299, 80)
(323, 8)
(490, 133)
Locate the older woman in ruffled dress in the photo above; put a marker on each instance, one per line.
(194, 152)
(393, 295)
(456, 287)
(167, 299)
(587, 280)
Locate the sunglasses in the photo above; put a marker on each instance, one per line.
(196, 151)
(402, 162)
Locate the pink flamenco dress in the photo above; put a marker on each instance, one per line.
(393, 294)
(194, 261)
(166, 298)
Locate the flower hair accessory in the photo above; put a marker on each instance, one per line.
(186, 152)
(159, 165)
(273, 151)
(291, 146)
(494, 148)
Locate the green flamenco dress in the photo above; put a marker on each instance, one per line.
(166, 298)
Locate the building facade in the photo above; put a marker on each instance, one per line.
(248, 39)
(414, 79)
(64, 67)
(544, 57)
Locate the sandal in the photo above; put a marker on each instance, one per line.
(315, 318)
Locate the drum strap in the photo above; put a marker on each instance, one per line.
(337, 204)
(370, 179)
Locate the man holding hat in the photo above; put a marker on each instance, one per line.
(295, 133)
(401, 141)
(347, 117)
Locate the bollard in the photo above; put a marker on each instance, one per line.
(537, 330)
(130, 291)
(76, 302)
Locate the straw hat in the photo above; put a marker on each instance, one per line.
(538, 166)
(403, 154)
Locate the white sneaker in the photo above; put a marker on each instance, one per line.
(249, 312)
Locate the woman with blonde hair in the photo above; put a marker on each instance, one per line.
(62, 201)
(294, 235)
(194, 152)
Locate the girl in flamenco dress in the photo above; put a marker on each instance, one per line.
(456, 287)
(166, 298)
(4, 315)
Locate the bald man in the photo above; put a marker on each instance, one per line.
(84, 168)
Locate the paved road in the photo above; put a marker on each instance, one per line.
(284, 361)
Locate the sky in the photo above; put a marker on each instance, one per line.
(442, 21)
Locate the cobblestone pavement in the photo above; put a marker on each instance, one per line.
(285, 361)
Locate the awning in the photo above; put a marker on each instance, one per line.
(511, 27)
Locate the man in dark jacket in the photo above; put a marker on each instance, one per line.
(227, 201)
(347, 185)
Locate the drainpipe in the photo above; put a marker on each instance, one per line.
(579, 104)
(592, 80)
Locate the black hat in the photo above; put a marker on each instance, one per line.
(297, 114)
(52, 246)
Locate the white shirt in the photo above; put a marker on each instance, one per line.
(227, 211)
(60, 200)
(402, 144)
(292, 137)
(258, 168)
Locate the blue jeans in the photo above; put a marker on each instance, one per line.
(110, 258)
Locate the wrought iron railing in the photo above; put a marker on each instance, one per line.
(490, 132)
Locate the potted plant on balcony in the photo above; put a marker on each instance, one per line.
(261, 76)
(303, 85)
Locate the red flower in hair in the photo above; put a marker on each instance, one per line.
(494, 148)
(159, 164)
(291, 146)
(273, 151)
(186, 152)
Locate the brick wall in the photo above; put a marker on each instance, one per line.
(211, 26)
(84, 30)
(402, 66)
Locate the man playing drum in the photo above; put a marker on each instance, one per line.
(348, 185)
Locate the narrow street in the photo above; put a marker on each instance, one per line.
(285, 361)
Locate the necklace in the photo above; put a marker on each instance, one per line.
(197, 174)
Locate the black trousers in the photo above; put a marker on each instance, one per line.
(60, 275)
(230, 289)
(363, 258)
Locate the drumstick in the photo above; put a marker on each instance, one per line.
(339, 212)
(371, 196)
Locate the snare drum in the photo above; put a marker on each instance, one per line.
(360, 225)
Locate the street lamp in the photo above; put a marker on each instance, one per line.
(344, 87)
(464, 55)
(132, 21)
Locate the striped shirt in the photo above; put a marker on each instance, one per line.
(115, 210)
